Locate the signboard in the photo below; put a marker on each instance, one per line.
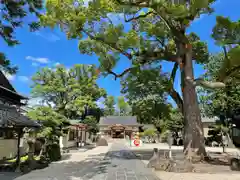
(136, 142)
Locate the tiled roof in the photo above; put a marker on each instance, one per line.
(9, 116)
(5, 86)
(5, 83)
(124, 120)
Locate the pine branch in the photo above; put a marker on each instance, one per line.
(138, 17)
(121, 74)
(112, 45)
(206, 84)
(137, 3)
(143, 57)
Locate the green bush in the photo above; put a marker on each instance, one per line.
(54, 152)
(164, 136)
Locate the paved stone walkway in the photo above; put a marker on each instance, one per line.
(115, 162)
(125, 166)
(196, 176)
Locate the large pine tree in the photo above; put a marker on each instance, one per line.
(147, 32)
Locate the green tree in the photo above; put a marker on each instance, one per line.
(12, 17)
(68, 92)
(53, 126)
(146, 95)
(217, 132)
(174, 122)
(109, 106)
(91, 122)
(226, 33)
(123, 106)
(150, 133)
(221, 102)
(51, 121)
(153, 31)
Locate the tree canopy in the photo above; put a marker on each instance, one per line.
(109, 106)
(149, 32)
(91, 122)
(51, 121)
(227, 35)
(221, 102)
(123, 107)
(146, 94)
(12, 17)
(68, 91)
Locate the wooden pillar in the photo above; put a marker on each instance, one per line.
(77, 133)
(81, 140)
(20, 132)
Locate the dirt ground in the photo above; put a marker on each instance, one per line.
(219, 163)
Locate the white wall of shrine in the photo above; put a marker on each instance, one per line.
(66, 142)
(8, 148)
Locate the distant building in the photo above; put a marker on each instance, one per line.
(207, 122)
(118, 126)
(77, 133)
(236, 128)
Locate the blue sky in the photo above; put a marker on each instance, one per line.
(47, 48)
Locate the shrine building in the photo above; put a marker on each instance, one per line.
(119, 126)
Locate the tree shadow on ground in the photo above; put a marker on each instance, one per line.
(147, 154)
(215, 158)
(9, 175)
(93, 167)
(215, 165)
(65, 156)
(81, 149)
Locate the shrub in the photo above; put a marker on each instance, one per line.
(54, 152)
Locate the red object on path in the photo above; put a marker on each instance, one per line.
(136, 142)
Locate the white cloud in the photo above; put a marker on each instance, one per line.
(38, 59)
(51, 37)
(23, 78)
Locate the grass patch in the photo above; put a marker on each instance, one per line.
(23, 159)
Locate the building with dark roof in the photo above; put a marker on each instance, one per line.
(119, 126)
(12, 121)
(10, 103)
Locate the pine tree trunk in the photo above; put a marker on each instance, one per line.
(193, 128)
